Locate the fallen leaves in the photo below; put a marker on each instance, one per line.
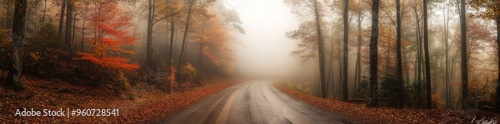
(360, 113)
(150, 105)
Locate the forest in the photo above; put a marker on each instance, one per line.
(100, 41)
(406, 60)
(421, 54)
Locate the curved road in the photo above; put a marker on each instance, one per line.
(256, 102)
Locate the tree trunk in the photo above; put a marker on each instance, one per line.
(8, 21)
(497, 94)
(69, 20)
(184, 39)
(330, 63)
(172, 30)
(73, 29)
(463, 38)
(374, 55)
(83, 35)
(426, 52)
(346, 51)
(2, 18)
(61, 17)
(321, 50)
(358, 58)
(200, 54)
(447, 74)
(400, 64)
(419, 62)
(149, 49)
(18, 31)
(44, 11)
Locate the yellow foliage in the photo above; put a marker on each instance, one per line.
(171, 77)
(34, 56)
(436, 99)
(189, 67)
(290, 86)
(299, 87)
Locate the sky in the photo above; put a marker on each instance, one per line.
(264, 49)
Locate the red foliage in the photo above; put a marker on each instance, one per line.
(111, 23)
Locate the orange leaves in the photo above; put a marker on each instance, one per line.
(359, 112)
(107, 48)
(119, 63)
(171, 77)
(114, 63)
(168, 106)
(210, 56)
(153, 105)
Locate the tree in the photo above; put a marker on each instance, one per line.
(360, 9)
(492, 12)
(186, 28)
(18, 30)
(463, 50)
(317, 41)
(374, 54)
(61, 17)
(69, 20)
(149, 49)
(107, 52)
(346, 50)
(320, 48)
(447, 74)
(400, 64)
(426, 54)
(418, 38)
(44, 11)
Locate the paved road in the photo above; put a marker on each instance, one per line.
(255, 102)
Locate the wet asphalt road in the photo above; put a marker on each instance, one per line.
(253, 102)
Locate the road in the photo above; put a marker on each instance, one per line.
(253, 102)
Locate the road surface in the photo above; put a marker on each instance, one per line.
(253, 102)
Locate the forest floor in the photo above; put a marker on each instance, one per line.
(380, 115)
(149, 104)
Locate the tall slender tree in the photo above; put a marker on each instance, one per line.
(61, 17)
(184, 39)
(346, 51)
(358, 73)
(463, 50)
(149, 41)
(18, 31)
(398, 47)
(447, 74)
(497, 93)
(426, 52)
(321, 51)
(44, 11)
(69, 20)
(374, 54)
(418, 70)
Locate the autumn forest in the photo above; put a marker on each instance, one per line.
(249, 61)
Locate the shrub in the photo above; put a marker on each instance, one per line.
(191, 75)
(389, 90)
(363, 89)
(44, 53)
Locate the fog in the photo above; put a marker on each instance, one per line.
(264, 51)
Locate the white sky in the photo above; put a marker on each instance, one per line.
(265, 50)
